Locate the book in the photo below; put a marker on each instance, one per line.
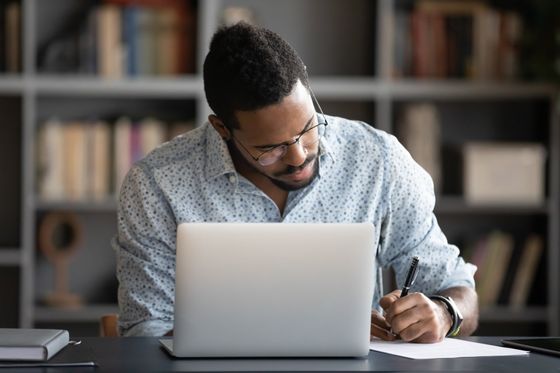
(526, 270)
(99, 160)
(31, 344)
(50, 160)
(13, 37)
(511, 273)
(167, 41)
(420, 132)
(129, 20)
(153, 133)
(75, 161)
(110, 53)
(145, 42)
(500, 247)
(3, 33)
(122, 143)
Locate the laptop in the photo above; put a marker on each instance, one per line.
(273, 290)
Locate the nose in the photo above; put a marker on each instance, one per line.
(295, 155)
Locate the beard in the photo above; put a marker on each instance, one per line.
(287, 186)
(284, 185)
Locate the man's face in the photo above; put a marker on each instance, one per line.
(262, 129)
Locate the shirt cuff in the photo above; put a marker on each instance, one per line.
(463, 276)
(150, 328)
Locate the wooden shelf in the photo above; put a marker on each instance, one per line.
(335, 87)
(10, 256)
(346, 88)
(87, 313)
(470, 90)
(509, 314)
(458, 205)
(11, 84)
(364, 87)
(106, 205)
(173, 87)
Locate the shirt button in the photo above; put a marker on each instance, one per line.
(232, 179)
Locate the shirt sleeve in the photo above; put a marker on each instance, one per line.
(145, 252)
(410, 228)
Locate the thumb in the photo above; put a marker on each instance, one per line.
(389, 299)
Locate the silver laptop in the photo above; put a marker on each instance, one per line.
(272, 290)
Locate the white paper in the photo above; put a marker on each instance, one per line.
(448, 348)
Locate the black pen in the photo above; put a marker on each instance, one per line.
(410, 277)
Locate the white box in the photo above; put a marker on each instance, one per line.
(504, 173)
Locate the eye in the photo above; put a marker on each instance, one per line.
(266, 150)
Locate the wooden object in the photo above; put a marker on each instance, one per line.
(59, 253)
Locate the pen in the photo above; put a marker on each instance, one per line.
(410, 277)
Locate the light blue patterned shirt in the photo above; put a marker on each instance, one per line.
(365, 175)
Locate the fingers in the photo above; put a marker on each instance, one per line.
(415, 318)
(389, 299)
(380, 328)
(420, 333)
(379, 320)
(381, 333)
(400, 305)
(401, 322)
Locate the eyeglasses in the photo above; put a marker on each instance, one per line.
(306, 139)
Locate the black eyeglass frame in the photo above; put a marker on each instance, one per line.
(288, 143)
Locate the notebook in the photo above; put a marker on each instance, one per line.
(31, 344)
(273, 290)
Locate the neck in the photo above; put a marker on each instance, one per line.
(278, 195)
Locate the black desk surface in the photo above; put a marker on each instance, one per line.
(145, 354)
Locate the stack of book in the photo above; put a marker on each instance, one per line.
(127, 38)
(506, 269)
(88, 160)
(456, 39)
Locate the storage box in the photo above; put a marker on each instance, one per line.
(504, 173)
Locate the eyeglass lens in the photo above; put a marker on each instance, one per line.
(306, 140)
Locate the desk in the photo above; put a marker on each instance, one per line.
(145, 354)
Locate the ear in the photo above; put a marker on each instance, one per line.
(220, 127)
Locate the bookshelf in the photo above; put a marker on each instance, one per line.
(348, 48)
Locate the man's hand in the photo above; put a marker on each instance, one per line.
(380, 328)
(414, 318)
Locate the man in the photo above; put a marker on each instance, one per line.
(269, 154)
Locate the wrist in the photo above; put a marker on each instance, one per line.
(444, 316)
(453, 311)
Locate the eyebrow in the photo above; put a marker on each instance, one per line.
(282, 143)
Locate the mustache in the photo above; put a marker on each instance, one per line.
(292, 169)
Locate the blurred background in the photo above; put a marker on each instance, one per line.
(470, 87)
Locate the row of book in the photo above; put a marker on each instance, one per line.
(456, 39)
(10, 37)
(88, 160)
(127, 38)
(507, 269)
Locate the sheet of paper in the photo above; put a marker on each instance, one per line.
(448, 348)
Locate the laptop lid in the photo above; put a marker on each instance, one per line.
(270, 289)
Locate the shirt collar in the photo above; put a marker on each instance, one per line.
(325, 149)
(218, 158)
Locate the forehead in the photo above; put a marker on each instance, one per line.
(278, 122)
